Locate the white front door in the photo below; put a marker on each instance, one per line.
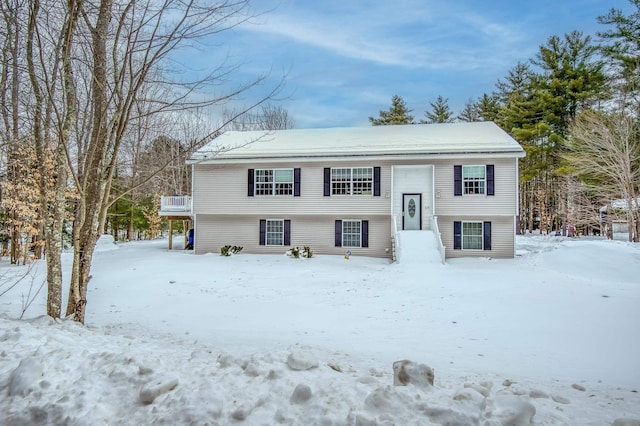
(411, 212)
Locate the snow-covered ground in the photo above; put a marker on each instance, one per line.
(551, 337)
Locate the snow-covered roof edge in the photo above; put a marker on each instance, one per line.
(421, 139)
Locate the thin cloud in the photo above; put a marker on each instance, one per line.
(422, 39)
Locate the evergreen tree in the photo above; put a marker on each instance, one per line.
(572, 79)
(470, 112)
(623, 51)
(398, 113)
(439, 113)
(488, 107)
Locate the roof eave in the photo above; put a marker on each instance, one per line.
(351, 156)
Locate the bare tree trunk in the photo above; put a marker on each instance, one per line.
(93, 181)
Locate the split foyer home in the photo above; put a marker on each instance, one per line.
(353, 190)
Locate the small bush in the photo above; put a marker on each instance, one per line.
(229, 250)
(295, 252)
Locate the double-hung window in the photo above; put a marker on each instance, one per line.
(471, 235)
(274, 181)
(352, 233)
(473, 179)
(352, 181)
(275, 232)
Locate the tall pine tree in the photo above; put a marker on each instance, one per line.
(439, 113)
(622, 47)
(398, 113)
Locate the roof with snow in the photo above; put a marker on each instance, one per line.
(453, 139)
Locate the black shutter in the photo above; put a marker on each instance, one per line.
(250, 183)
(457, 235)
(296, 182)
(365, 233)
(338, 233)
(457, 180)
(287, 232)
(376, 181)
(327, 181)
(490, 185)
(486, 235)
(263, 232)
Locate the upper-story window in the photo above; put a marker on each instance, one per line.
(352, 181)
(274, 181)
(473, 179)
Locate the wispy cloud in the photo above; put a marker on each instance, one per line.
(407, 35)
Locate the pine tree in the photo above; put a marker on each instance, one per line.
(488, 107)
(398, 113)
(623, 51)
(470, 112)
(440, 112)
(572, 79)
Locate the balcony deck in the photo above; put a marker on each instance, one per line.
(178, 206)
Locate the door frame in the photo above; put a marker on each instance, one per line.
(419, 194)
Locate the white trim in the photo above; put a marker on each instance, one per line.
(517, 169)
(338, 158)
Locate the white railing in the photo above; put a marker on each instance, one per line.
(394, 238)
(436, 232)
(175, 203)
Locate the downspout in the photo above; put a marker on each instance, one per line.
(193, 214)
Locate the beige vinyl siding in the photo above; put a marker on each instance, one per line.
(222, 189)
(318, 232)
(502, 236)
(225, 214)
(503, 203)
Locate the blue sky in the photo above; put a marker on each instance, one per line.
(344, 60)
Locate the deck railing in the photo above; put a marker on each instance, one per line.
(436, 231)
(175, 203)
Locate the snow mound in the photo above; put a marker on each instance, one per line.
(62, 373)
(418, 247)
(106, 243)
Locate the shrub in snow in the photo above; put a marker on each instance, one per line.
(228, 250)
(297, 253)
(405, 372)
(294, 252)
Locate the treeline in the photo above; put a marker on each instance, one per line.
(574, 108)
(97, 118)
